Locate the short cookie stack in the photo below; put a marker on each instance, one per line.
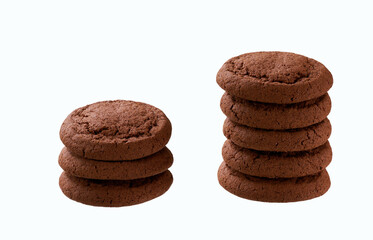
(115, 154)
(276, 105)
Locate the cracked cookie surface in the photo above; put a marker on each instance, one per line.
(276, 164)
(274, 77)
(115, 170)
(115, 130)
(273, 190)
(275, 116)
(300, 139)
(114, 193)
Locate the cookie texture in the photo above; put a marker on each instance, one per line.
(274, 77)
(273, 190)
(292, 140)
(276, 164)
(115, 170)
(115, 130)
(114, 193)
(275, 116)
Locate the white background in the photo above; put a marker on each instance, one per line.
(56, 56)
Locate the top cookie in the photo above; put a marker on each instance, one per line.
(274, 77)
(115, 130)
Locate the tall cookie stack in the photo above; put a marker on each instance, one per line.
(276, 105)
(115, 154)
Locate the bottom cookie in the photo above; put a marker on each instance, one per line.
(273, 190)
(115, 193)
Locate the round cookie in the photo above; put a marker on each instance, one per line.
(275, 116)
(274, 77)
(115, 170)
(291, 140)
(276, 164)
(273, 190)
(114, 193)
(115, 130)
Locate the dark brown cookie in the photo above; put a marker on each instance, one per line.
(274, 77)
(276, 164)
(115, 170)
(273, 190)
(115, 130)
(114, 193)
(275, 116)
(300, 139)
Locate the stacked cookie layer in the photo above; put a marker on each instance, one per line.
(277, 129)
(115, 154)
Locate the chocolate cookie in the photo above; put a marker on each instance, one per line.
(114, 193)
(274, 77)
(273, 190)
(276, 164)
(115, 130)
(292, 140)
(115, 170)
(275, 116)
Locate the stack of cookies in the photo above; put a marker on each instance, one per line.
(115, 154)
(277, 129)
